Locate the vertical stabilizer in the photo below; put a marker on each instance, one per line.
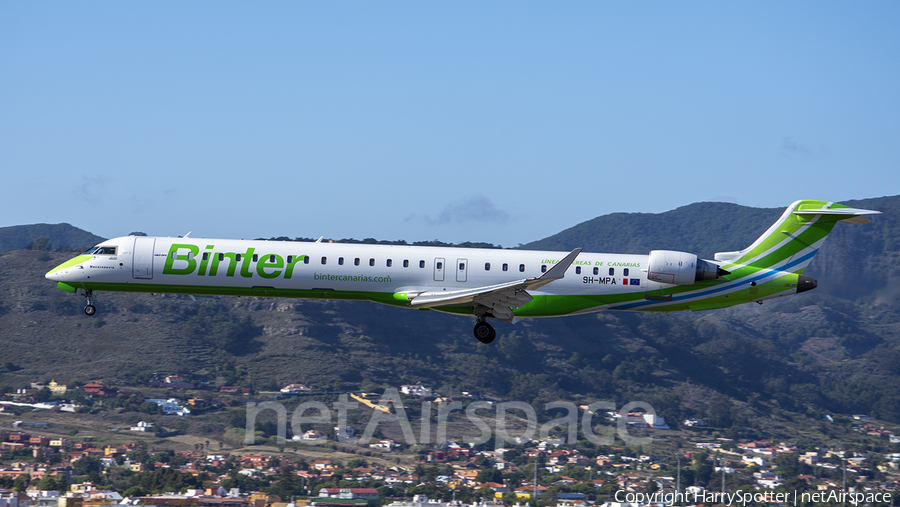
(791, 242)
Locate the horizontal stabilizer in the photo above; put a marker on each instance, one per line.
(854, 215)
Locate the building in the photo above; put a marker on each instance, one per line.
(295, 389)
(143, 426)
(171, 407)
(349, 493)
(56, 388)
(96, 387)
(415, 390)
(344, 432)
(312, 435)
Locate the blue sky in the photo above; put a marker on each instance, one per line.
(503, 122)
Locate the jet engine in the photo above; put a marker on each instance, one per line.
(680, 268)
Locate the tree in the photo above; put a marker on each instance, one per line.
(88, 465)
(20, 484)
(41, 243)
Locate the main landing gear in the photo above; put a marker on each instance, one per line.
(484, 331)
(89, 308)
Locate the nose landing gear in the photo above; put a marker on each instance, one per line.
(89, 308)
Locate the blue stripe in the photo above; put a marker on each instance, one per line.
(722, 288)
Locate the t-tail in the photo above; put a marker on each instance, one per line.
(791, 242)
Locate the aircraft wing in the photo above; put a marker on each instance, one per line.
(502, 298)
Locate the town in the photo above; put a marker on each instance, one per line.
(152, 462)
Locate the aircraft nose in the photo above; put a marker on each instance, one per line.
(52, 276)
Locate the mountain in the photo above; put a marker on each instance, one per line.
(62, 237)
(832, 350)
(853, 262)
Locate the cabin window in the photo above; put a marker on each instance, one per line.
(389, 263)
(596, 271)
(237, 257)
(462, 266)
(440, 265)
(290, 258)
(543, 268)
(305, 259)
(221, 257)
(371, 262)
(255, 257)
(206, 256)
(487, 266)
(577, 270)
(625, 271)
(174, 253)
(340, 261)
(521, 268)
(612, 271)
(356, 261)
(505, 267)
(324, 260)
(405, 263)
(190, 256)
(421, 264)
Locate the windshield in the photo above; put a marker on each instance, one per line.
(101, 250)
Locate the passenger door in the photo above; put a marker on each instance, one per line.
(142, 257)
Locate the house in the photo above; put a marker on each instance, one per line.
(171, 407)
(197, 402)
(39, 441)
(810, 458)
(143, 426)
(96, 387)
(386, 444)
(344, 432)
(234, 390)
(63, 443)
(56, 388)
(295, 389)
(528, 491)
(415, 390)
(312, 435)
(349, 493)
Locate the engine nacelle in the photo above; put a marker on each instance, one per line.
(680, 268)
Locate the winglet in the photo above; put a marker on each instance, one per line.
(557, 272)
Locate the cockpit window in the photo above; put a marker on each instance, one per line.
(101, 250)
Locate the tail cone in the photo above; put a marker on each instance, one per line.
(805, 283)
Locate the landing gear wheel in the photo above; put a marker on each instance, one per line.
(89, 308)
(485, 332)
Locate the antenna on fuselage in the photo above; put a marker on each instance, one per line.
(320, 239)
(188, 234)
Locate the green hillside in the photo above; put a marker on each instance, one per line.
(832, 350)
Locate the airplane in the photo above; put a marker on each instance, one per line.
(487, 283)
